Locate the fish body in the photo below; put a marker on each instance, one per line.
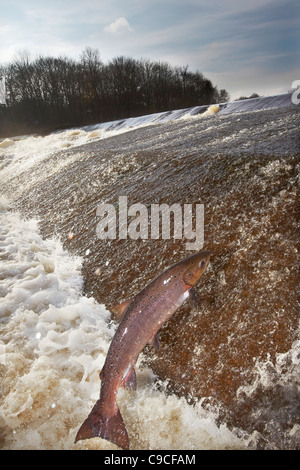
(142, 317)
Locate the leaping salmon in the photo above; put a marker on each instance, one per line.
(142, 317)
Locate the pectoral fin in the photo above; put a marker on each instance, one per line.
(193, 298)
(129, 382)
(155, 343)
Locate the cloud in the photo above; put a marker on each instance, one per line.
(120, 25)
(241, 46)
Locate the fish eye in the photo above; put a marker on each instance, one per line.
(201, 264)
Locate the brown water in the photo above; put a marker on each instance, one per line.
(237, 353)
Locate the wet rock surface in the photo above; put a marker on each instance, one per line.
(244, 169)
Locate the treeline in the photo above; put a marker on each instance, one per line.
(52, 92)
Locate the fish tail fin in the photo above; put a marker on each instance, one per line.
(106, 426)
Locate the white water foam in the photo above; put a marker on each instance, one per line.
(28, 150)
(53, 344)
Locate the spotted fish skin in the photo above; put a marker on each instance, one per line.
(142, 317)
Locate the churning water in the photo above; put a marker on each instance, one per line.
(227, 375)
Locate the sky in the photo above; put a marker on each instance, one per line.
(243, 46)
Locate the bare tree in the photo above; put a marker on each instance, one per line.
(50, 91)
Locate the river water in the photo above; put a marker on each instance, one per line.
(227, 373)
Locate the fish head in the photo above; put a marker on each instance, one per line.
(194, 267)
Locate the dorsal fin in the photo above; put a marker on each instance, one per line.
(155, 343)
(119, 309)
